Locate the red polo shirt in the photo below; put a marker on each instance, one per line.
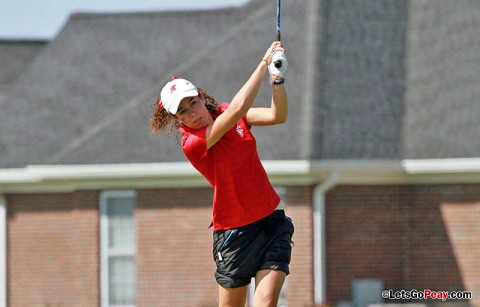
(242, 192)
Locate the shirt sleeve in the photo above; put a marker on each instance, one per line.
(194, 145)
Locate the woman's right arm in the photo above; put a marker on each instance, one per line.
(241, 103)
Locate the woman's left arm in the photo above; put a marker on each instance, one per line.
(278, 111)
(276, 114)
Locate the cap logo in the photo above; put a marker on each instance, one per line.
(173, 88)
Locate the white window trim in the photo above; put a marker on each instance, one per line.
(104, 251)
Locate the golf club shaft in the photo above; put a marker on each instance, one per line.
(278, 21)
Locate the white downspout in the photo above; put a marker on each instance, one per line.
(319, 255)
(3, 251)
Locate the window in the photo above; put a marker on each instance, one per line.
(117, 249)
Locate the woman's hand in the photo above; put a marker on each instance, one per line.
(274, 47)
(276, 54)
(278, 68)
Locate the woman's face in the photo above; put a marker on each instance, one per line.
(193, 113)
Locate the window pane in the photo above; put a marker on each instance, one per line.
(122, 273)
(120, 223)
(118, 248)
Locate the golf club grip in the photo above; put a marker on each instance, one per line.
(278, 64)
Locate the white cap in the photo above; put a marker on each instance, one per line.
(174, 91)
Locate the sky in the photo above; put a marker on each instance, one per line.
(43, 19)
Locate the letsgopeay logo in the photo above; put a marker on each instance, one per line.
(426, 294)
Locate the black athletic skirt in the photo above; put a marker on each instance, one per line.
(241, 252)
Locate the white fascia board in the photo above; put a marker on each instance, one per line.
(36, 173)
(56, 172)
(66, 178)
(410, 171)
(361, 171)
(435, 166)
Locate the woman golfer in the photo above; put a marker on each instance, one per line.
(252, 236)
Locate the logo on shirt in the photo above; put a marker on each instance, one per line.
(239, 130)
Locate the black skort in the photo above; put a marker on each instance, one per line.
(241, 252)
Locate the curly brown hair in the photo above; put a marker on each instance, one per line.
(162, 119)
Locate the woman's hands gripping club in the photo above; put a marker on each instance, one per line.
(277, 62)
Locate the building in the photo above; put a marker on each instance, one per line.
(378, 162)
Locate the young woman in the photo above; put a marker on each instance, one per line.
(252, 236)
